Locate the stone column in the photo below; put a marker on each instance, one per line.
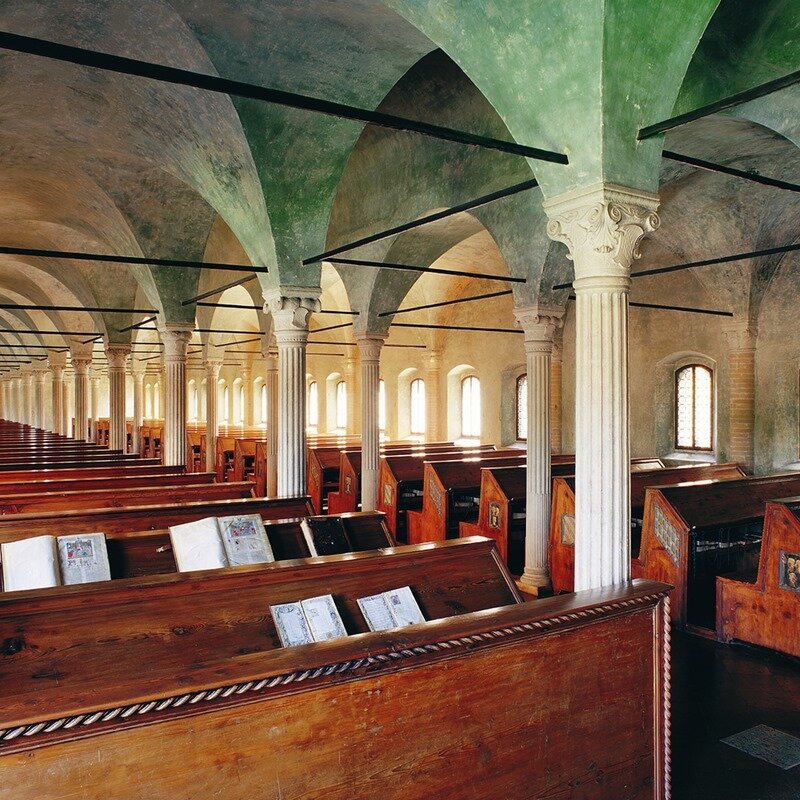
(539, 324)
(433, 382)
(272, 422)
(81, 364)
(556, 359)
(247, 395)
(65, 415)
(117, 354)
(369, 351)
(290, 308)
(39, 403)
(213, 366)
(138, 408)
(353, 424)
(94, 405)
(602, 225)
(176, 337)
(27, 397)
(18, 405)
(162, 393)
(741, 338)
(58, 397)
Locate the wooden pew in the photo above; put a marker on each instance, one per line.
(119, 481)
(696, 532)
(130, 468)
(223, 458)
(139, 518)
(244, 457)
(765, 612)
(117, 497)
(561, 542)
(193, 454)
(450, 495)
(348, 495)
(322, 471)
(159, 659)
(13, 471)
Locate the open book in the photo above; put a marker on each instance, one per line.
(392, 609)
(313, 620)
(43, 561)
(325, 536)
(216, 542)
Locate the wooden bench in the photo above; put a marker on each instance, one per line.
(120, 481)
(561, 542)
(244, 458)
(194, 660)
(451, 495)
(117, 497)
(148, 517)
(193, 454)
(766, 612)
(130, 468)
(693, 533)
(11, 472)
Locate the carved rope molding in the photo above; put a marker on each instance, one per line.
(221, 693)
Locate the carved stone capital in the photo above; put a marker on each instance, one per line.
(539, 323)
(741, 336)
(175, 336)
(117, 354)
(290, 307)
(81, 365)
(369, 346)
(602, 225)
(213, 366)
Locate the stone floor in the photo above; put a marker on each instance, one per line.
(719, 690)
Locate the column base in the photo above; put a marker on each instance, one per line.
(535, 584)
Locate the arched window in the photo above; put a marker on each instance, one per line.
(226, 400)
(381, 406)
(694, 408)
(263, 415)
(193, 400)
(312, 410)
(522, 408)
(470, 407)
(417, 406)
(341, 405)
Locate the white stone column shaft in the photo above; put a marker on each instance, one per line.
(176, 337)
(39, 399)
(81, 365)
(138, 409)
(369, 350)
(290, 308)
(247, 396)
(95, 406)
(27, 398)
(213, 366)
(539, 324)
(272, 423)
(117, 355)
(67, 393)
(58, 397)
(602, 225)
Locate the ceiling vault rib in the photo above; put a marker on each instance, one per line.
(446, 303)
(786, 248)
(426, 220)
(433, 270)
(212, 83)
(762, 90)
(711, 166)
(230, 285)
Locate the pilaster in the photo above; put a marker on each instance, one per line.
(602, 225)
(741, 338)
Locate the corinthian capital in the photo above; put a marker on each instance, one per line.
(175, 336)
(539, 322)
(602, 226)
(290, 306)
(369, 346)
(117, 354)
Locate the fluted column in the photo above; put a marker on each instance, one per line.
(369, 351)
(39, 377)
(65, 415)
(27, 397)
(556, 428)
(138, 409)
(94, 382)
(433, 383)
(272, 423)
(602, 225)
(213, 366)
(290, 308)
(247, 395)
(81, 365)
(58, 397)
(19, 413)
(175, 337)
(741, 338)
(539, 324)
(117, 355)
